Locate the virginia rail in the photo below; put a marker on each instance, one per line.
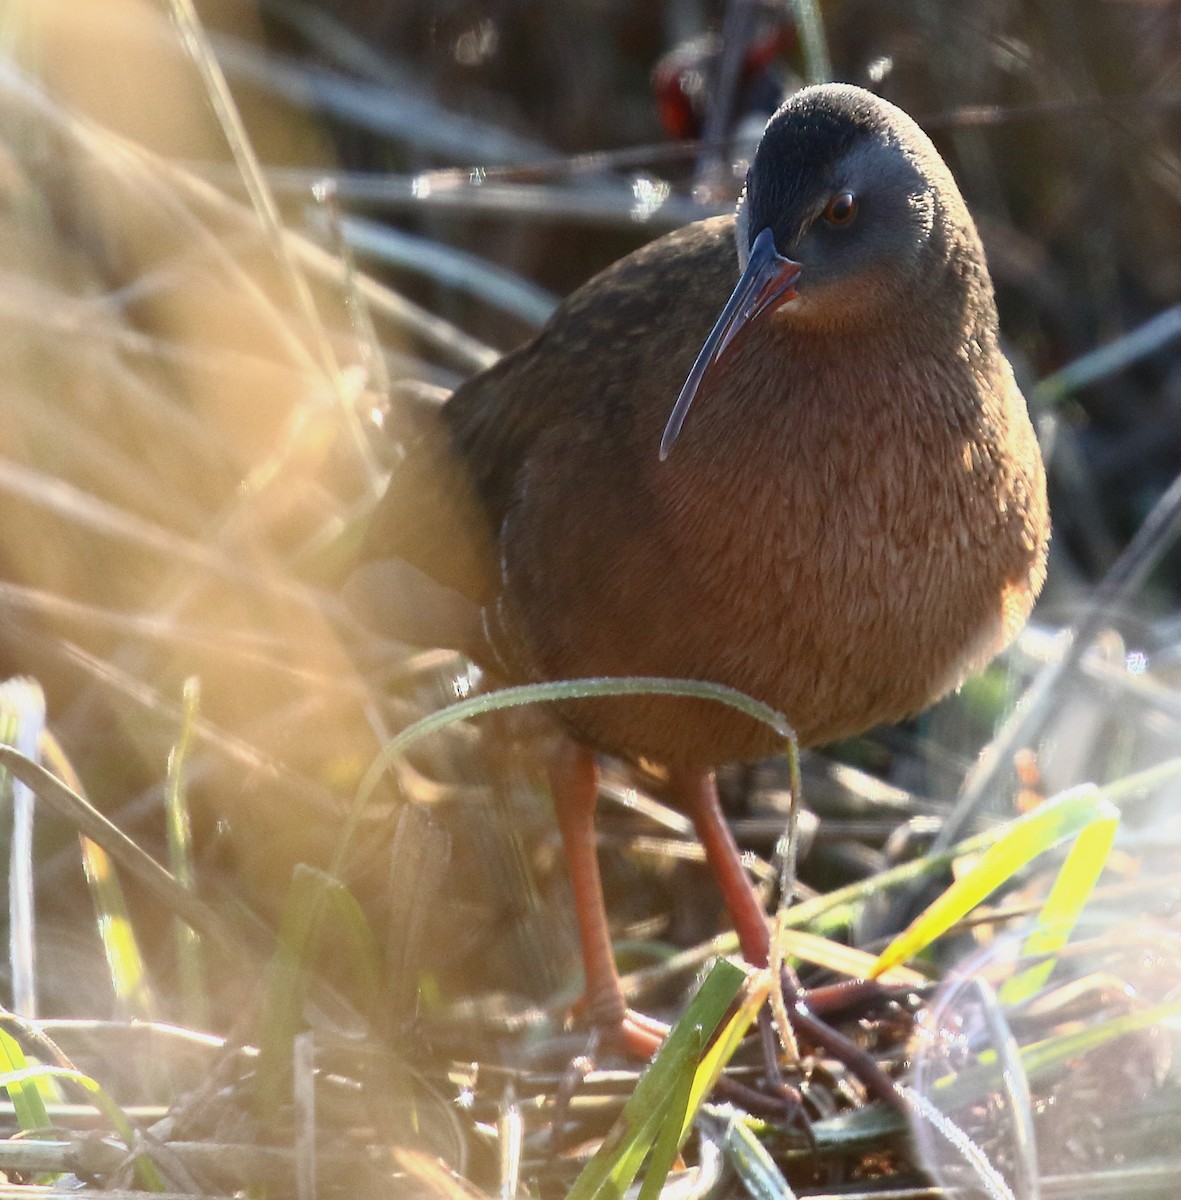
(852, 519)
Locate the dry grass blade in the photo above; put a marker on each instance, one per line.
(188, 450)
(88, 821)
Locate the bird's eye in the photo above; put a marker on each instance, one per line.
(841, 209)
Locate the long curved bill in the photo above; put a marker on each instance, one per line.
(768, 281)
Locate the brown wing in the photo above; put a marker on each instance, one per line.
(465, 460)
(430, 515)
(634, 328)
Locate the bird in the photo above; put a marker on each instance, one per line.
(780, 450)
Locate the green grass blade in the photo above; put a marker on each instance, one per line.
(180, 863)
(722, 1050)
(653, 1104)
(145, 1169)
(546, 693)
(1021, 841)
(1053, 1054)
(1048, 1057)
(840, 908)
(27, 1102)
(618, 1160)
(1072, 888)
(125, 962)
(68, 801)
(676, 1118)
(761, 1178)
(316, 905)
(1041, 1060)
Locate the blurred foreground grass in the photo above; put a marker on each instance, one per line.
(195, 337)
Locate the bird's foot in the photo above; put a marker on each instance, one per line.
(637, 1034)
(632, 1033)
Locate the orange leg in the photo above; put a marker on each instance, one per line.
(574, 779)
(698, 794)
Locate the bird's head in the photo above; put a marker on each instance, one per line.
(849, 217)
